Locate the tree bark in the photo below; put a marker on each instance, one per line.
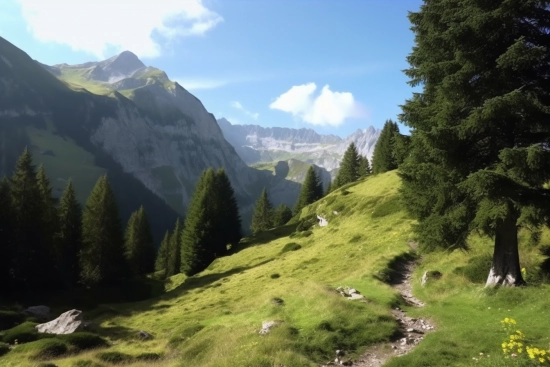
(505, 270)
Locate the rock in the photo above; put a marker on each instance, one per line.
(144, 335)
(42, 312)
(410, 330)
(335, 212)
(339, 352)
(267, 325)
(430, 275)
(403, 341)
(322, 221)
(66, 323)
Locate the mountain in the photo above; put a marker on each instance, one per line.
(260, 144)
(119, 116)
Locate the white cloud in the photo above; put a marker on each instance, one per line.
(101, 25)
(327, 108)
(240, 107)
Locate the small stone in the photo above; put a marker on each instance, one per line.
(339, 352)
(410, 330)
(144, 335)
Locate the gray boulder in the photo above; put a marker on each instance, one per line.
(67, 323)
(41, 312)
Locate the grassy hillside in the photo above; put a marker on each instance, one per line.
(213, 318)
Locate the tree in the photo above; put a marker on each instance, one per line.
(227, 213)
(173, 261)
(349, 168)
(47, 224)
(161, 262)
(383, 158)
(262, 219)
(364, 167)
(479, 155)
(138, 244)
(282, 215)
(312, 190)
(68, 238)
(30, 253)
(102, 256)
(199, 237)
(6, 243)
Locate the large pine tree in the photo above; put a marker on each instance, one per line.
(364, 167)
(138, 244)
(262, 219)
(384, 158)
(48, 224)
(173, 261)
(102, 256)
(161, 262)
(480, 138)
(31, 256)
(6, 243)
(200, 238)
(349, 168)
(68, 238)
(312, 190)
(281, 215)
(227, 212)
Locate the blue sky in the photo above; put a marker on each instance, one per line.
(331, 65)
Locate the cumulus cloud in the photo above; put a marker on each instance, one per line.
(240, 107)
(106, 25)
(326, 108)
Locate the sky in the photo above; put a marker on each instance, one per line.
(331, 65)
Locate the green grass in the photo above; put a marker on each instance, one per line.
(213, 318)
(75, 78)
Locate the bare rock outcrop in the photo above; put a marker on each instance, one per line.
(67, 323)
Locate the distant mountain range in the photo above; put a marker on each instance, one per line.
(255, 144)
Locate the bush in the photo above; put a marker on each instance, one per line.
(9, 319)
(148, 357)
(84, 340)
(23, 333)
(275, 276)
(4, 348)
(291, 246)
(306, 223)
(47, 365)
(47, 348)
(86, 363)
(115, 357)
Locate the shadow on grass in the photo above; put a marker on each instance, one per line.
(265, 237)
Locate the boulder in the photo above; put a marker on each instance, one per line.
(67, 323)
(322, 221)
(144, 335)
(41, 312)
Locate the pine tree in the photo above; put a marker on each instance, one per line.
(173, 262)
(227, 213)
(199, 237)
(349, 168)
(6, 243)
(30, 255)
(311, 191)
(69, 236)
(329, 188)
(138, 244)
(102, 256)
(161, 262)
(479, 158)
(282, 215)
(47, 224)
(262, 219)
(383, 158)
(364, 167)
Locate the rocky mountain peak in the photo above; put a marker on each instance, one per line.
(116, 68)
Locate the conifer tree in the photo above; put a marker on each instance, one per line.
(479, 158)
(138, 243)
(349, 168)
(30, 255)
(383, 158)
(102, 256)
(227, 213)
(69, 236)
(161, 262)
(311, 190)
(329, 188)
(262, 219)
(47, 224)
(173, 263)
(6, 243)
(364, 167)
(282, 215)
(199, 237)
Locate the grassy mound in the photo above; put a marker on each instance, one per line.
(22, 333)
(10, 319)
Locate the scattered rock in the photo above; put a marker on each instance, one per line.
(268, 325)
(66, 323)
(322, 221)
(350, 293)
(144, 335)
(41, 312)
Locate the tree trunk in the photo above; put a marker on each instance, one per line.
(505, 270)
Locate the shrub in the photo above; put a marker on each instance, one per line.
(23, 333)
(4, 348)
(84, 340)
(306, 223)
(275, 276)
(47, 365)
(291, 246)
(115, 357)
(47, 348)
(86, 363)
(9, 319)
(148, 357)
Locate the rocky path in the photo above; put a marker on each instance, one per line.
(411, 330)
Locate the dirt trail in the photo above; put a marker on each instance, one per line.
(411, 330)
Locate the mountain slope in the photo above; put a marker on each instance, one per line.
(258, 144)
